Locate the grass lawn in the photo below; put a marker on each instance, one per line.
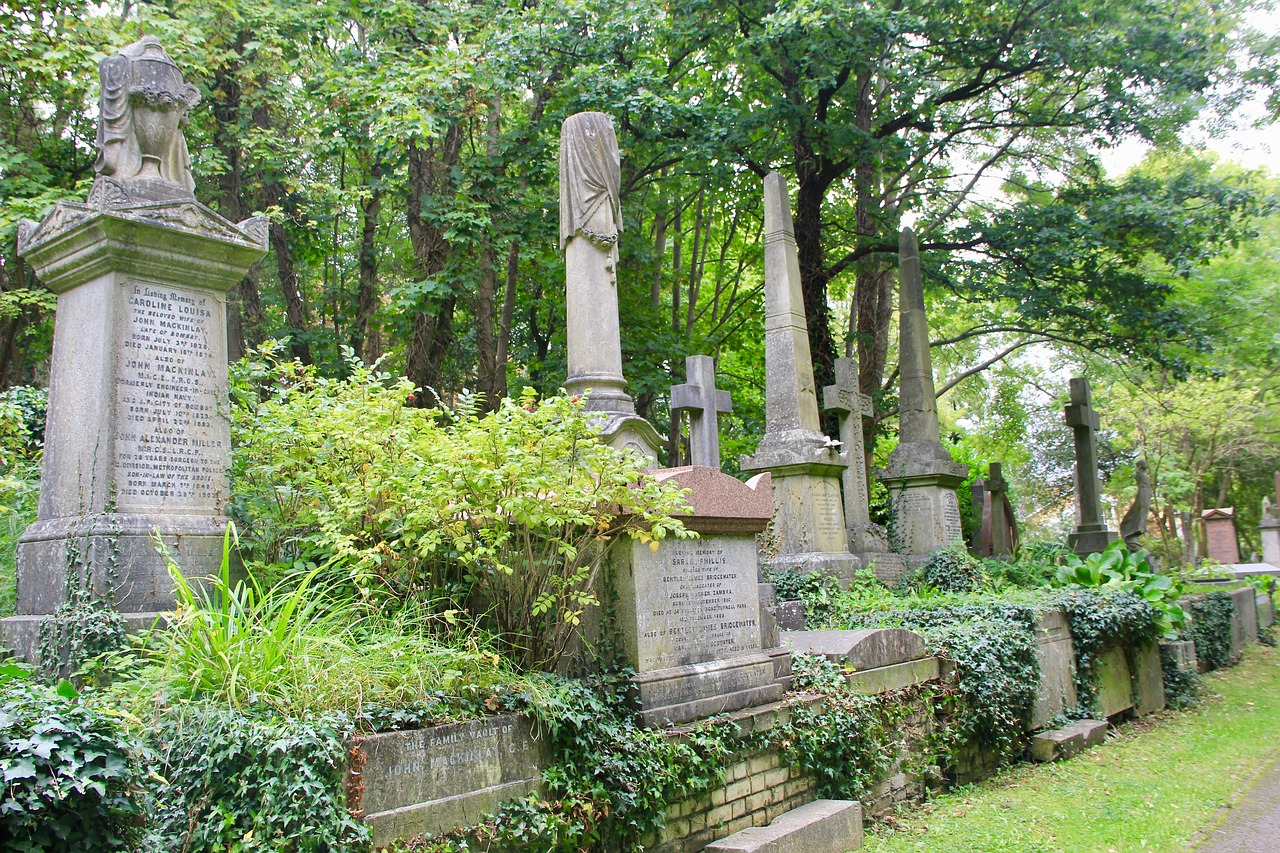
(1150, 787)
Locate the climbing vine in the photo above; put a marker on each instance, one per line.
(1210, 628)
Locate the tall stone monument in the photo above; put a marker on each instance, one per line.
(1091, 534)
(921, 476)
(590, 224)
(704, 403)
(808, 521)
(137, 442)
(867, 541)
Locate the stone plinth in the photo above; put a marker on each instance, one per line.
(138, 440)
(689, 613)
(1269, 530)
(1056, 652)
(436, 780)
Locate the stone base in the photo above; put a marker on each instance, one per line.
(841, 565)
(627, 431)
(1091, 541)
(20, 635)
(1056, 652)
(121, 546)
(926, 513)
(1184, 654)
(823, 826)
(1115, 684)
(683, 693)
(1068, 741)
(1150, 678)
(884, 679)
(890, 568)
(781, 667)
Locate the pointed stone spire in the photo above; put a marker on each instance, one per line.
(921, 475)
(808, 511)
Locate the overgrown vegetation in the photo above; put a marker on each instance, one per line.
(22, 413)
(1210, 628)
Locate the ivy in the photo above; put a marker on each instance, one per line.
(1102, 619)
(1210, 628)
(1181, 687)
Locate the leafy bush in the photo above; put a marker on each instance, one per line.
(1117, 568)
(816, 673)
(21, 439)
(72, 775)
(1210, 628)
(952, 570)
(245, 781)
(508, 514)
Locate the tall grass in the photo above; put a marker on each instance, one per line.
(300, 647)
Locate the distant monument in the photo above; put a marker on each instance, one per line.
(1269, 528)
(704, 403)
(808, 521)
(868, 542)
(138, 440)
(1134, 524)
(1220, 537)
(998, 529)
(921, 476)
(1091, 534)
(590, 222)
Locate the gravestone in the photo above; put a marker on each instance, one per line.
(809, 522)
(688, 610)
(1134, 524)
(921, 475)
(1220, 534)
(868, 542)
(1091, 534)
(590, 225)
(977, 495)
(704, 403)
(1269, 528)
(138, 439)
(998, 529)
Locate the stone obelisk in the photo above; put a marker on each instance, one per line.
(590, 224)
(921, 475)
(808, 521)
(138, 441)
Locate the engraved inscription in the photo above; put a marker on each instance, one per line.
(950, 515)
(698, 602)
(171, 442)
(829, 517)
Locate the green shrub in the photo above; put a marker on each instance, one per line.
(21, 440)
(1181, 687)
(72, 775)
(508, 514)
(952, 570)
(1210, 628)
(1117, 568)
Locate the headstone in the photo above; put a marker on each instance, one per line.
(1134, 524)
(921, 475)
(1091, 534)
(590, 224)
(138, 441)
(868, 542)
(1269, 528)
(704, 403)
(808, 523)
(1056, 653)
(998, 530)
(435, 780)
(689, 610)
(1220, 534)
(977, 496)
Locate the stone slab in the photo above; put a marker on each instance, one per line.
(861, 649)
(1150, 680)
(435, 780)
(1266, 611)
(1056, 652)
(1115, 687)
(823, 826)
(678, 694)
(791, 615)
(1067, 741)
(720, 503)
(1184, 654)
(883, 679)
(890, 568)
(20, 635)
(1245, 624)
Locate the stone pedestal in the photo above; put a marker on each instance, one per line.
(689, 612)
(138, 440)
(1269, 530)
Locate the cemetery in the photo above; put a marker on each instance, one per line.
(331, 527)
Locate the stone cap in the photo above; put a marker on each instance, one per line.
(720, 503)
(863, 649)
(1220, 512)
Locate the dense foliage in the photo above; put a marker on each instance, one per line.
(1104, 619)
(1210, 628)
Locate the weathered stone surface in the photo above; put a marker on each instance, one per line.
(808, 522)
(438, 779)
(791, 616)
(1115, 687)
(823, 826)
(1269, 530)
(1266, 611)
(689, 612)
(883, 679)
(1056, 653)
(590, 224)
(1220, 534)
(1184, 654)
(704, 403)
(1150, 681)
(861, 649)
(137, 441)
(1091, 534)
(1244, 625)
(997, 534)
(1134, 524)
(1069, 740)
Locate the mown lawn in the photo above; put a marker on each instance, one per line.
(1151, 787)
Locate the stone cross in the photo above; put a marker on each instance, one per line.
(851, 405)
(1091, 533)
(704, 403)
(999, 530)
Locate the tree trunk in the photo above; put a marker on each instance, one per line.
(486, 307)
(295, 310)
(367, 293)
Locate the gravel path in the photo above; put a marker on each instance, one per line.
(1252, 824)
